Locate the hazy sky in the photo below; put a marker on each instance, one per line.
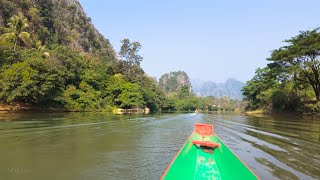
(209, 39)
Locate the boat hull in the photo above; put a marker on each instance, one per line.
(195, 161)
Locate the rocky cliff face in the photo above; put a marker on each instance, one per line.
(61, 22)
(173, 81)
(231, 88)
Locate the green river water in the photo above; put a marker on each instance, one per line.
(104, 146)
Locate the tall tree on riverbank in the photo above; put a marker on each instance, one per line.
(129, 52)
(301, 56)
(130, 61)
(291, 81)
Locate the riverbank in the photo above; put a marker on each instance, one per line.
(257, 112)
(26, 107)
(32, 108)
(261, 112)
(121, 111)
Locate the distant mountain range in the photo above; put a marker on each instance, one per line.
(231, 88)
(173, 81)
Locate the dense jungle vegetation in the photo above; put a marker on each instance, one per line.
(52, 56)
(290, 82)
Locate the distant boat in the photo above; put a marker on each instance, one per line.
(204, 156)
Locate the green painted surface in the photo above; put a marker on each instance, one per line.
(194, 163)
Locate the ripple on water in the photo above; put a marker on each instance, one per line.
(98, 145)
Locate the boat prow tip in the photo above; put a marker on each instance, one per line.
(203, 129)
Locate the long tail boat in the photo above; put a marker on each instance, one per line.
(204, 156)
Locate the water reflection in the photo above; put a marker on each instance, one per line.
(284, 145)
(102, 146)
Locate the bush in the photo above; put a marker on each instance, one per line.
(83, 99)
(278, 100)
(312, 108)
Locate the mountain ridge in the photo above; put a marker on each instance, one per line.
(231, 88)
(61, 22)
(174, 81)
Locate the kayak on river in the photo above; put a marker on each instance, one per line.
(204, 156)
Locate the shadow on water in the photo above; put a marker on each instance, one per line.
(102, 145)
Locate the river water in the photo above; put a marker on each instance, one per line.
(103, 146)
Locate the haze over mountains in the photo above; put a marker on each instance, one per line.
(231, 88)
(173, 81)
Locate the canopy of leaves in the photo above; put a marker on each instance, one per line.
(129, 52)
(289, 79)
(51, 55)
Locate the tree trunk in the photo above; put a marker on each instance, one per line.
(317, 95)
(15, 44)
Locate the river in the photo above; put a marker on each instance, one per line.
(103, 146)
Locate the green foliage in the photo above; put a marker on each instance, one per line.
(122, 93)
(256, 89)
(130, 97)
(15, 31)
(222, 104)
(153, 96)
(72, 63)
(18, 83)
(134, 73)
(168, 104)
(129, 65)
(129, 52)
(59, 22)
(51, 55)
(42, 61)
(84, 98)
(33, 80)
(182, 101)
(301, 56)
(7, 54)
(184, 92)
(278, 100)
(286, 83)
(191, 103)
(312, 107)
(8, 8)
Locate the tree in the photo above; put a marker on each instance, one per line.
(301, 56)
(7, 54)
(16, 31)
(184, 92)
(33, 80)
(129, 52)
(152, 94)
(254, 87)
(130, 96)
(83, 98)
(123, 94)
(130, 64)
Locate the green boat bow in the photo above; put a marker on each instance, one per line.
(204, 156)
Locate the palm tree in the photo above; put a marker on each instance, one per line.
(15, 31)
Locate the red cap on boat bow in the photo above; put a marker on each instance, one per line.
(203, 129)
